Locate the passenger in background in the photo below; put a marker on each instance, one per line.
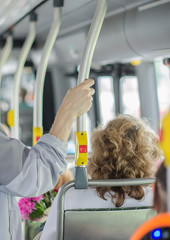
(23, 103)
(160, 190)
(125, 149)
(26, 118)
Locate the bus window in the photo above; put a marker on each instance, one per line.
(28, 81)
(163, 87)
(130, 95)
(106, 99)
(6, 92)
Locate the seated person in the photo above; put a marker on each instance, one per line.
(160, 190)
(125, 149)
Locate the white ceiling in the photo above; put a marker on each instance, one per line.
(76, 13)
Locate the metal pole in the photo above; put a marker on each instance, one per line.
(89, 50)
(148, 93)
(4, 57)
(81, 176)
(17, 79)
(39, 86)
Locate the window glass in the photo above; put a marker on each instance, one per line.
(130, 95)
(25, 105)
(6, 92)
(163, 87)
(106, 99)
(27, 82)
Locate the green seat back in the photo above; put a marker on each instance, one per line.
(107, 224)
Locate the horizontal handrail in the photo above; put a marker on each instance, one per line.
(109, 183)
(120, 182)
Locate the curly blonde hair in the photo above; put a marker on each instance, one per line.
(125, 149)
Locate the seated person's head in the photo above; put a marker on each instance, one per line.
(160, 193)
(125, 149)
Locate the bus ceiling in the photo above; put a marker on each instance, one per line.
(132, 29)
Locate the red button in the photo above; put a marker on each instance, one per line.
(37, 138)
(83, 148)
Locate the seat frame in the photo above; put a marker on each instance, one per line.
(92, 183)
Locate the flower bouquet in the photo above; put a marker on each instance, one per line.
(36, 208)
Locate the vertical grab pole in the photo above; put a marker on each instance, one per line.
(13, 115)
(81, 157)
(4, 57)
(39, 86)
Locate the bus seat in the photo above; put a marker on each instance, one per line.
(103, 223)
(107, 224)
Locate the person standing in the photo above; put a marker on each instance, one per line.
(29, 172)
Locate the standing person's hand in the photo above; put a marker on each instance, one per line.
(76, 102)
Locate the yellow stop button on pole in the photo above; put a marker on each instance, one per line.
(81, 156)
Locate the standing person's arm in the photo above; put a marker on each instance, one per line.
(76, 102)
(30, 172)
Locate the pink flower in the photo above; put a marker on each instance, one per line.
(26, 207)
(37, 199)
(32, 208)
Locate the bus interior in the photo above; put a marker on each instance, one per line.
(129, 63)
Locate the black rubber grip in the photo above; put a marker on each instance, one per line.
(58, 3)
(33, 17)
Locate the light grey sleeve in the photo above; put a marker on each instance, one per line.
(35, 170)
(11, 157)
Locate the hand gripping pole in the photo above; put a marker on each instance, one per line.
(14, 113)
(5, 55)
(81, 177)
(39, 85)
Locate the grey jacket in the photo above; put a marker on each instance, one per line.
(26, 172)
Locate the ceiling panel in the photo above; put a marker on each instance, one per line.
(76, 13)
(13, 10)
